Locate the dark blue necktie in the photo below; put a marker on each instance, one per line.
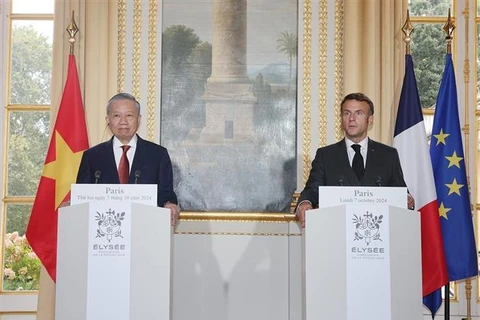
(357, 163)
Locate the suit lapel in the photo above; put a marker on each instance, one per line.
(110, 166)
(351, 178)
(137, 159)
(372, 158)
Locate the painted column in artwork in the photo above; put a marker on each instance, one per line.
(228, 95)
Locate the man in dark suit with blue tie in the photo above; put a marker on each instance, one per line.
(127, 158)
(354, 161)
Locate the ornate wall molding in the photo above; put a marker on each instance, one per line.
(137, 48)
(137, 58)
(152, 69)
(122, 35)
(339, 91)
(322, 72)
(306, 90)
(321, 86)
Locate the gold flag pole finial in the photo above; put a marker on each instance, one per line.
(448, 29)
(407, 31)
(72, 30)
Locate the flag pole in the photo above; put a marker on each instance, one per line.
(72, 30)
(448, 29)
(407, 30)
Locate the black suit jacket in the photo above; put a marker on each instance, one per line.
(332, 168)
(151, 161)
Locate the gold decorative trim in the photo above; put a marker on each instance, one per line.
(122, 35)
(152, 69)
(339, 90)
(137, 44)
(259, 234)
(466, 76)
(322, 72)
(466, 132)
(27, 107)
(293, 204)
(18, 200)
(237, 217)
(306, 90)
(30, 16)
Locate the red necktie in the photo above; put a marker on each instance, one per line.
(124, 166)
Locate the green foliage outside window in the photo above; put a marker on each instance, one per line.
(31, 67)
(429, 48)
(428, 52)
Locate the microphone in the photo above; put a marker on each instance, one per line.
(378, 181)
(137, 175)
(340, 182)
(98, 173)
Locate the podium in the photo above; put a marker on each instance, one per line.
(363, 256)
(113, 254)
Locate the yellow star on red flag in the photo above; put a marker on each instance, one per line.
(64, 169)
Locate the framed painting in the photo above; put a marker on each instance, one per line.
(229, 92)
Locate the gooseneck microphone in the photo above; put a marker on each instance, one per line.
(378, 181)
(137, 175)
(98, 174)
(340, 182)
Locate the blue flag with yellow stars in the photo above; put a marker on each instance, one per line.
(446, 152)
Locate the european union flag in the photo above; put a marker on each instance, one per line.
(446, 152)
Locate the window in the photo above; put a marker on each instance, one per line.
(27, 92)
(428, 50)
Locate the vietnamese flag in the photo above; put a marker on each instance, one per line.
(68, 141)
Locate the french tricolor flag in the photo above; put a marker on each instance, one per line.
(410, 140)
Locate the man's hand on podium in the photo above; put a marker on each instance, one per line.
(410, 202)
(175, 211)
(302, 207)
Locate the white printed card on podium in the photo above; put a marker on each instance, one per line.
(114, 193)
(347, 195)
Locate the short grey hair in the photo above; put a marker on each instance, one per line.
(123, 96)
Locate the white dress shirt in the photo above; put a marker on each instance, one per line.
(363, 150)
(118, 151)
